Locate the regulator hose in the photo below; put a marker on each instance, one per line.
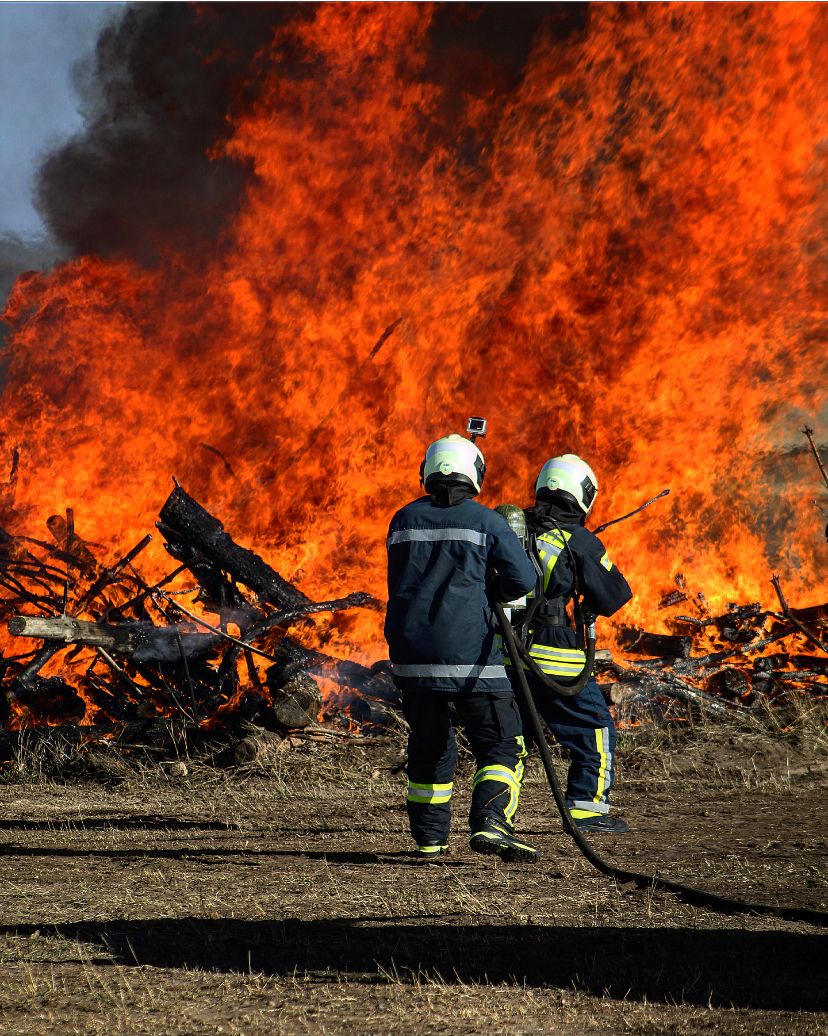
(695, 897)
(566, 690)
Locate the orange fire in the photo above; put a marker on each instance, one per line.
(624, 257)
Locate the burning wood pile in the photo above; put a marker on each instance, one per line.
(547, 218)
(127, 661)
(718, 666)
(704, 664)
(124, 662)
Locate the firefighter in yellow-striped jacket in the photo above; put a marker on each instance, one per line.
(558, 542)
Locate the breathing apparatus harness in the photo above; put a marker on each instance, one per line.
(584, 622)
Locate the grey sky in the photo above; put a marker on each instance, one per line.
(39, 43)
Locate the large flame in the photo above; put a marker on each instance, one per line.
(624, 258)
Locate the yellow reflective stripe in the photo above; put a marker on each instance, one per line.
(562, 654)
(520, 769)
(602, 769)
(558, 661)
(429, 793)
(496, 773)
(503, 775)
(555, 666)
(565, 654)
(582, 814)
(572, 663)
(553, 669)
(513, 779)
(605, 561)
(427, 849)
(550, 547)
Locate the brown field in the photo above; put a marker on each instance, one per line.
(285, 902)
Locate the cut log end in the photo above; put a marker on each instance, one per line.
(260, 747)
(297, 702)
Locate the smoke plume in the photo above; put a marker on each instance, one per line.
(145, 176)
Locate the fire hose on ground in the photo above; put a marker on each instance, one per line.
(693, 896)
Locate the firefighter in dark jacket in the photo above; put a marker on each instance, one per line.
(446, 555)
(564, 494)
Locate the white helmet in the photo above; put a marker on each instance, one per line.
(453, 457)
(569, 474)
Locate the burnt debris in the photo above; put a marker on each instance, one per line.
(718, 666)
(116, 657)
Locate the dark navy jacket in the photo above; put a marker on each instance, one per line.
(439, 624)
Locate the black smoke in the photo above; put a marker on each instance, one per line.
(168, 77)
(139, 179)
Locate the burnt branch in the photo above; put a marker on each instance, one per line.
(192, 532)
(139, 640)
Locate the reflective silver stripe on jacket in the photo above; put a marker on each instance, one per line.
(482, 672)
(434, 535)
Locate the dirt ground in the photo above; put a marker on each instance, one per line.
(286, 902)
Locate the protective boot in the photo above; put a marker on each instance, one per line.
(603, 824)
(495, 838)
(430, 853)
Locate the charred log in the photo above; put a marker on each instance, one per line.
(669, 686)
(740, 621)
(715, 657)
(663, 645)
(293, 657)
(29, 672)
(193, 534)
(50, 698)
(259, 746)
(795, 620)
(114, 706)
(729, 683)
(367, 712)
(139, 640)
(816, 663)
(817, 613)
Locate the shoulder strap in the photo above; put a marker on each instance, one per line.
(532, 551)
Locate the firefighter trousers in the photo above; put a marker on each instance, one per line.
(492, 725)
(584, 727)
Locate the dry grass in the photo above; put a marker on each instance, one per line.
(238, 903)
(149, 1002)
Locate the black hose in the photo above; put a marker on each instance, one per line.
(642, 881)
